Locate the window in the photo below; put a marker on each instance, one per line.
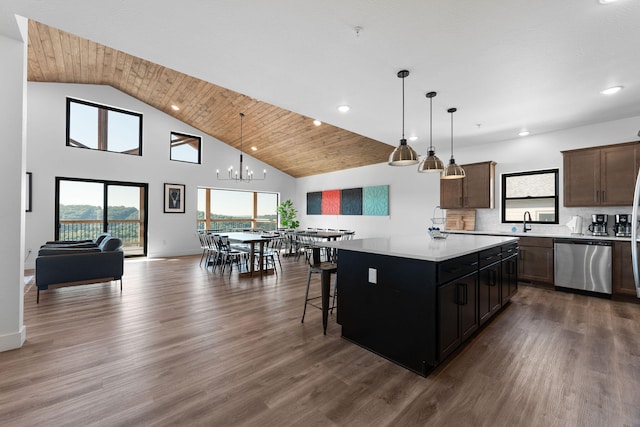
(535, 192)
(85, 208)
(185, 148)
(227, 210)
(98, 127)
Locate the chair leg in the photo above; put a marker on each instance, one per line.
(38, 297)
(121, 284)
(335, 292)
(306, 296)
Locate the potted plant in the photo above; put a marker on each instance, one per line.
(288, 215)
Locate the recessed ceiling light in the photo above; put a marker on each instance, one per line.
(413, 138)
(174, 107)
(317, 122)
(606, 1)
(254, 148)
(612, 90)
(344, 108)
(524, 133)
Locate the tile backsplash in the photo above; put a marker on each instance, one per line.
(489, 220)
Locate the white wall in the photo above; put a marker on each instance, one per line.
(48, 157)
(414, 196)
(12, 171)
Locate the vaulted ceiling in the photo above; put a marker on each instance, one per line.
(285, 140)
(506, 65)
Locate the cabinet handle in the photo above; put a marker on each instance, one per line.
(492, 277)
(603, 197)
(462, 294)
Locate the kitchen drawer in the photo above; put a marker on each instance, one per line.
(509, 250)
(539, 242)
(457, 267)
(490, 256)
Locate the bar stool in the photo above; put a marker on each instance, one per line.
(325, 269)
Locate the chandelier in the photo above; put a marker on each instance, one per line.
(242, 174)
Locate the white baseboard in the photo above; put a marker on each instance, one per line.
(13, 340)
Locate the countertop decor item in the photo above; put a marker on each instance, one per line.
(403, 155)
(438, 220)
(461, 219)
(243, 175)
(436, 234)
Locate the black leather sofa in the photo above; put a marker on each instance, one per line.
(65, 265)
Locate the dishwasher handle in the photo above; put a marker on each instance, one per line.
(583, 242)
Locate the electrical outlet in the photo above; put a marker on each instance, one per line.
(373, 276)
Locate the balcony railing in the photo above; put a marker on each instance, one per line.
(127, 230)
(228, 225)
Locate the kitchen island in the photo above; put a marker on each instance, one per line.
(414, 300)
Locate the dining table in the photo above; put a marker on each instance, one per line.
(251, 239)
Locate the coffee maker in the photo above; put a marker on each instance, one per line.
(598, 225)
(622, 226)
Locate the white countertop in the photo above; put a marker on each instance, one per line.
(534, 234)
(423, 247)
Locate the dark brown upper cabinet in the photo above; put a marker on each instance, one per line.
(475, 190)
(601, 176)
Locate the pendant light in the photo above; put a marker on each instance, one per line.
(432, 163)
(403, 155)
(240, 175)
(452, 171)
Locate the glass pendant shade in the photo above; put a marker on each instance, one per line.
(431, 163)
(403, 155)
(453, 170)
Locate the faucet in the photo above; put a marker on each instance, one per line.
(526, 228)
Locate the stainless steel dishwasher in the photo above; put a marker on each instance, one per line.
(583, 264)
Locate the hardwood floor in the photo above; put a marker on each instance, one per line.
(184, 346)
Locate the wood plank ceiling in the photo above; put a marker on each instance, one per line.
(285, 140)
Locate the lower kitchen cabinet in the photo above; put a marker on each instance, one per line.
(535, 259)
(509, 274)
(623, 282)
(457, 313)
(489, 284)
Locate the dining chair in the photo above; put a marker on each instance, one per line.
(202, 237)
(270, 255)
(214, 256)
(228, 255)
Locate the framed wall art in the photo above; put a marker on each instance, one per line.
(370, 201)
(174, 198)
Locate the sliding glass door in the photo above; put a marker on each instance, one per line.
(86, 208)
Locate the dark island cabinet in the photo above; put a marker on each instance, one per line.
(396, 315)
(509, 273)
(457, 313)
(489, 283)
(416, 312)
